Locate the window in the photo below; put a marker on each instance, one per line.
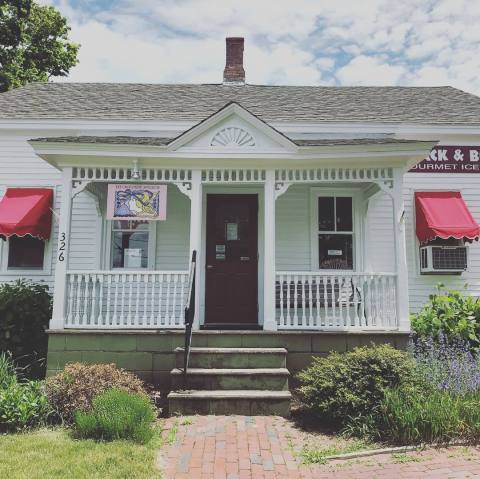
(130, 244)
(335, 232)
(25, 252)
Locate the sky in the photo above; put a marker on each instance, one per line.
(295, 42)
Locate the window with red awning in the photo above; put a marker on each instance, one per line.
(26, 211)
(444, 215)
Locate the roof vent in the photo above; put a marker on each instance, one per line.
(234, 74)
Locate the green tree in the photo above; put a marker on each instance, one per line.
(34, 44)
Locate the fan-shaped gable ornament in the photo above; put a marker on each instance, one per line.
(233, 136)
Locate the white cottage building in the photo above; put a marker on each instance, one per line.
(315, 220)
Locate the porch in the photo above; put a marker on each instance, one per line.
(304, 300)
(292, 291)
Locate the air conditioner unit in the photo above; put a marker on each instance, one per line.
(443, 259)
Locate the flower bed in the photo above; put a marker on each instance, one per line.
(430, 395)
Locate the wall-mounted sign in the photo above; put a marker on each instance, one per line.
(450, 159)
(137, 202)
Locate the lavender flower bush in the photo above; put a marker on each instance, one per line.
(444, 404)
(447, 364)
(439, 403)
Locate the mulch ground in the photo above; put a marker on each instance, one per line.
(264, 447)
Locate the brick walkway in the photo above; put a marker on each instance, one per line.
(244, 447)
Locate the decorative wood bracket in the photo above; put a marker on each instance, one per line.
(79, 186)
(386, 186)
(185, 187)
(98, 193)
(281, 188)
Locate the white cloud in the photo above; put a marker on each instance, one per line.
(379, 42)
(364, 70)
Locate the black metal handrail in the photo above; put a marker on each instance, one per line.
(189, 315)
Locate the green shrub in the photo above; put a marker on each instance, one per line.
(25, 310)
(352, 384)
(22, 404)
(116, 414)
(428, 416)
(452, 315)
(78, 384)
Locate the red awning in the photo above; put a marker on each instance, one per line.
(443, 214)
(26, 211)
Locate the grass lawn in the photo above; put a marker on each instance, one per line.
(52, 453)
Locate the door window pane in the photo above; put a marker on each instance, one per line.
(25, 252)
(130, 244)
(344, 213)
(326, 213)
(335, 251)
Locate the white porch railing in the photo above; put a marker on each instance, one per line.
(341, 301)
(127, 299)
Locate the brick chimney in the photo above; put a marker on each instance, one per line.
(234, 74)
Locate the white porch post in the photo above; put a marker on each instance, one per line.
(400, 251)
(269, 320)
(196, 235)
(63, 246)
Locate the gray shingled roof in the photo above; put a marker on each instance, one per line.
(153, 141)
(120, 101)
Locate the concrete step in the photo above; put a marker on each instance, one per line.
(234, 357)
(254, 403)
(268, 379)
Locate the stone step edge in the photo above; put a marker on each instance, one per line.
(230, 394)
(200, 350)
(232, 371)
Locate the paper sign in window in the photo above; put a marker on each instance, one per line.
(133, 257)
(335, 252)
(232, 231)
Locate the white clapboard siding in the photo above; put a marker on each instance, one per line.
(421, 286)
(293, 229)
(18, 163)
(379, 246)
(20, 167)
(85, 236)
(173, 234)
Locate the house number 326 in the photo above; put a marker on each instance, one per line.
(61, 247)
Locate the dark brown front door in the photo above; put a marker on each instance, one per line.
(231, 261)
